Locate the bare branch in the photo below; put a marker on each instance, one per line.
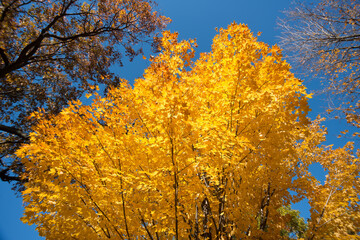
(323, 38)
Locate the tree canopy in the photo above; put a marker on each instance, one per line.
(51, 52)
(211, 149)
(324, 37)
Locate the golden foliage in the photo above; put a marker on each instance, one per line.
(193, 150)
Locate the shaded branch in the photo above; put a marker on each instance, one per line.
(5, 10)
(30, 49)
(4, 57)
(4, 176)
(14, 131)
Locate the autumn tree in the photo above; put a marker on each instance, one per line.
(194, 150)
(53, 51)
(324, 37)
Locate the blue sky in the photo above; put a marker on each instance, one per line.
(192, 19)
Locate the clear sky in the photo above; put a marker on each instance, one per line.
(192, 19)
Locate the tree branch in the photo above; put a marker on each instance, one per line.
(4, 57)
(14, 131)
(30, 49)
(5, 10)
(7, 178)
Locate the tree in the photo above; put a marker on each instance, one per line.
(295, 226)
(51, 52)
(324, 37)
(200, 150)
